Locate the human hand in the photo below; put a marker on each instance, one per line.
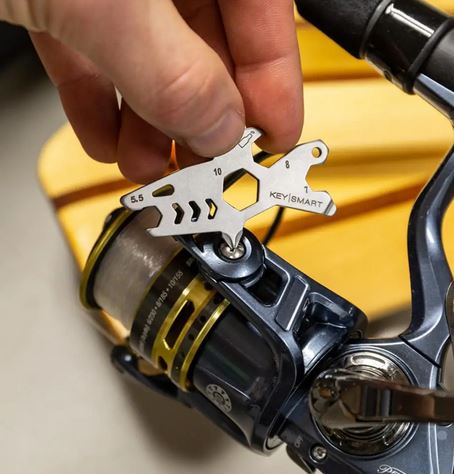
(190, 70)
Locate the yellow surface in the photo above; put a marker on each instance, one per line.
(384, 146)
(360, 120)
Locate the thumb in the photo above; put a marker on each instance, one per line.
(166, 73)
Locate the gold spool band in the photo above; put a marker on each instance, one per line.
(176, 314)
(178, 322)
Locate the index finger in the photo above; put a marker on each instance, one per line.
(262, 39)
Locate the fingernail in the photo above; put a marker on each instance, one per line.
(220, 137)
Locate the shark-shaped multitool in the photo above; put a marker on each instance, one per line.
(191, 200)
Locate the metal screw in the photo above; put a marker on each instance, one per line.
(318, 453)
(232, 254)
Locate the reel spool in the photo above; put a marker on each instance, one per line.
(152, 286)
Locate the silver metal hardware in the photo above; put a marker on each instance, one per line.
(232, 253)
(319, 453)
(191, 201)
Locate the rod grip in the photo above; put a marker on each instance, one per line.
(344, 21)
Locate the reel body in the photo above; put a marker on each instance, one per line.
(234, 344)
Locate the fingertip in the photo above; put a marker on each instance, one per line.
(276, 106)
(100, 152)
(140, 171)
(143, 152)
(282, 142)
(219, 137)
(186, 157)
(141, 165)
(267, 71)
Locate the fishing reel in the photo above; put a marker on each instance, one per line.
(267, 353)
(232, 337)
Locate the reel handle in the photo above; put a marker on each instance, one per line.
(343, 399)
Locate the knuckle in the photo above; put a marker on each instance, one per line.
(101, 152)
(28, 13)
(44, 15)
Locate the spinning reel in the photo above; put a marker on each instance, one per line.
(267, 353)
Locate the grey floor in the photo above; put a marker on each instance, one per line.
(63, 408)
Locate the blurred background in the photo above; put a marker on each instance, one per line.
(63, 408)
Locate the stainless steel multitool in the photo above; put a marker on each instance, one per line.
(191, 200)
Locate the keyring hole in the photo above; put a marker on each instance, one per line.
(316, 152)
